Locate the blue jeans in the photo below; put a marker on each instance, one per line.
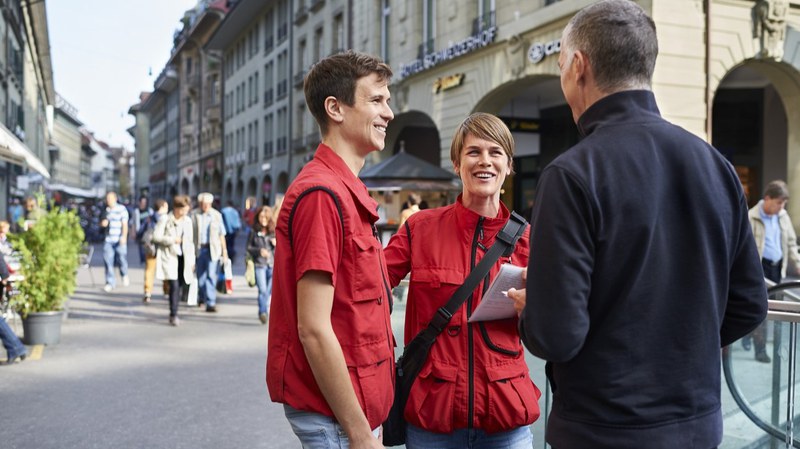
(317, 431)
(207, 277)
(14, 347)
(264, 284)
(519, 438)
(115, 254)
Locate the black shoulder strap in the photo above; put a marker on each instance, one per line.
(303, 195)
(504, 245)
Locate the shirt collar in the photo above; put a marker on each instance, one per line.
(326, 156)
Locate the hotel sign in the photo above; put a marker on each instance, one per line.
(429, 60)
(539, 51)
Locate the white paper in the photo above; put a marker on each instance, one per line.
(495, 305)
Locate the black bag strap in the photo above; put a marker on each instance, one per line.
(504, 245)
(303, 195)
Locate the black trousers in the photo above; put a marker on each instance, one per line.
(772, 270)
(176, 288)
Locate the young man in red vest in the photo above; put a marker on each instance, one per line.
(330, 357)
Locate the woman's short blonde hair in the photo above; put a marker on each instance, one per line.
(483, 126)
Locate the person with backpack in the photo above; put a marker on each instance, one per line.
(141, 215)
(148, 247)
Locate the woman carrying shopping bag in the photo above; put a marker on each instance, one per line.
(260, 246)
(175, 259)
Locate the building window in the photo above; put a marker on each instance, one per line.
(188, 110)
(428, 26)
(318, 43)
(485, 19)
(386, 9)
(269, 31)
(338, 34)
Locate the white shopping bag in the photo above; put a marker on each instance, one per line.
(191, 298)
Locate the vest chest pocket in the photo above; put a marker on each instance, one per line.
(367, 271)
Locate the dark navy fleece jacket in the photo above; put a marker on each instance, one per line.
(642, 266)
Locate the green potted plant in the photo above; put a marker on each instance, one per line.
(48, 258)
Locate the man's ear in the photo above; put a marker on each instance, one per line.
(334, 109)
(580, 66)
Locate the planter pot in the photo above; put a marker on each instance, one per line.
(42, 328)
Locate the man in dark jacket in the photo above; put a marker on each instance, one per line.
(643, 264)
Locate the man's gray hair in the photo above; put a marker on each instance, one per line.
(619, 40)
(205, 197)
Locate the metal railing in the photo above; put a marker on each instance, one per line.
(784, 309)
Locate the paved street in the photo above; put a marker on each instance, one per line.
(121, 377)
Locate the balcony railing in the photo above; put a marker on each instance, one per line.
(269, 43)
(298, 78)
(300, 15)
(268, 150)
(283, 32)
(281, 142)
(283, 90)
(268, 97)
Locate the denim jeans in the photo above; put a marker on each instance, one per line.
(115, 254)
(264, 284)
(519, 438)
(207, 277)
(317, 431)
(11, 342)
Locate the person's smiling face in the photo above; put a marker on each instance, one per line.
(365, 122)
(483, 167)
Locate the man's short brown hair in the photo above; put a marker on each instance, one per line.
(181, 201)
(336, 76)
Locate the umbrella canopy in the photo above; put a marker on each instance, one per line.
(407, 172)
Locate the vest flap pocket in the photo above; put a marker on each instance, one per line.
(496, 373)
(365, 242)
(439, 371)
(437, 276)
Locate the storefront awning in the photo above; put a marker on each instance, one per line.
(16, 152)
(404, 171)
(74, 191)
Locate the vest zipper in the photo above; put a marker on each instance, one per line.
(389, 331)
(383, 278)
(470, 344)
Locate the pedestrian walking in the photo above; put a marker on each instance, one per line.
(330, 356)
(149, 246)
(642, 261)
(210, 247)
(261, 246)
(175, 256)
(230, 216)
(141, 217)
(777, 246)
(115, 244)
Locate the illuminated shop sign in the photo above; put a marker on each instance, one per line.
(475, 42)
(539, 51)
(522, 125)
(448, 82)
